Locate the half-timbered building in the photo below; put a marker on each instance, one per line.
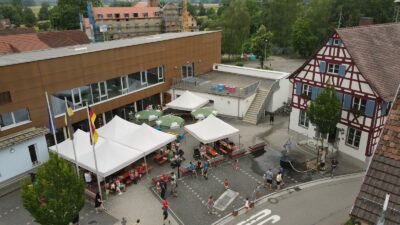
(362, 63)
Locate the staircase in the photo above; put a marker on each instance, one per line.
(255, 107)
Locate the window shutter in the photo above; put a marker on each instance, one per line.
(340, 42)
(298, 88)
(384, 108)
(369, 108)
(339, 96)
(330, 41)
(342, 70)
(322, 66)
(347, 101)
(314, 93)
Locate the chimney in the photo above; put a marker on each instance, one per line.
(365, 21)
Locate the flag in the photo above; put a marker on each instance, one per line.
(95, 135)
(68, 122)
(51, 121)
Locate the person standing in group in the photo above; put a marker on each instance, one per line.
(271, 119)
(334, 164)
(173, 184)
(163, 185)
(210, 205)
(165, 204)
(282, 172)
(206, 165)
(165, 216)
(235, 165)
(247, 205)
(226, 184)
(278, 180)
(98, 203)
(268, 176)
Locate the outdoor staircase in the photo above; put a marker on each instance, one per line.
(255, 107)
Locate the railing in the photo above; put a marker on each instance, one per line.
(261, 114)
(195, 84)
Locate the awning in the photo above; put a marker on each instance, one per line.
(188, 102)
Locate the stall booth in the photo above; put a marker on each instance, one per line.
(187, 102)
(213, 133)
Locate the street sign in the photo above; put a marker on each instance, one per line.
(103, 28)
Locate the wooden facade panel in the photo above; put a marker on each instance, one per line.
(29, 81)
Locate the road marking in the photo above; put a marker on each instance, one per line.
(261, 218)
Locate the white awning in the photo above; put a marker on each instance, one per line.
(188, 102)
(211, 129)
(117, 127)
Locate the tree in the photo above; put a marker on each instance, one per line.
(324, 112)
(57, 195)
(235, 21)
(29, 17)
(44, 11)
(260, 44)
(65, 17)
(97, 3)
(116, 3)
(255, 15)
(202, 10)
(302, 38)
(10, 12)
(28, 3)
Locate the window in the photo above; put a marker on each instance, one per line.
(100, 16)
(135, 15)
(303, 119)
(126, 15)
(187, 71)
(157, 13)
(5, 97)
(145, 15)
(307, 90)
(160, 73)
(118, 27)
(359, 104)
(102, 89)
(353, 137)
(143, 77)
(33, 154)
(336, 41)
(14, 118)
(333, 68)
(109, 16)
(116, 15)
(124, 84)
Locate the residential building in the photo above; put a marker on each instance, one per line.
(362, 65)
(24, 40)
(115, 78)
(382, 178)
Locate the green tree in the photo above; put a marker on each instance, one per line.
(325, 111)
(120, 4)
(302, 38)
(255, 15)
(57, 195)
(260, 44)
(235, 21)
(44, 11)
(28, 3)
(202, 10)
(97, 3)
(10, 12)
(29, 17)
(65, 17)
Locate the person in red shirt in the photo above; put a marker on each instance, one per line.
(226, 184)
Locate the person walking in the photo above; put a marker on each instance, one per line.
(206, 165)
(279, 180)
(98, 203)
(226, 184)
(334, 164)
(165, 216)
(235, 165)
(210, 205)
(271, 119)
(173, 184)
(163, 185)
(268, 176)
(247, 205)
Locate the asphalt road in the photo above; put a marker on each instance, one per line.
(327, 203)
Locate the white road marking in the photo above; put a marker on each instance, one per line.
(261, 218)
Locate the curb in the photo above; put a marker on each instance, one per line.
(228, 218)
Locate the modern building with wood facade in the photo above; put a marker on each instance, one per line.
(362, 65)
(115, 78)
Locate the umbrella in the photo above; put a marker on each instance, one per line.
(170, 122)
(149, 115)
(204, 112)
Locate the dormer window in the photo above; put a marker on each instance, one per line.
(109, 16)
(126, 15)
(337, 41)
(333, 68)
(116, 15)
(100, 16)
(135, 15)
(145, 15)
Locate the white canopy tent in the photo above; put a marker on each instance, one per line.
(117, 127)
(111, 156)
(188, 102)
(211, 129)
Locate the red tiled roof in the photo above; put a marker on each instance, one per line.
(383, 175)
(40, 41)
(15, 31)
(376, 51)
(122, 10)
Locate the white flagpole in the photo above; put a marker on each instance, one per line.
(72, 140)
(94, 151)
(51, 121)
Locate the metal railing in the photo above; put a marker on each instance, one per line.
(198, 84)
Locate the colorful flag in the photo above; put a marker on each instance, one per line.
(95, 135)
(68, 122)
(51, 121)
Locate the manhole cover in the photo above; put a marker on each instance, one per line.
(225, 200)
(273, 200)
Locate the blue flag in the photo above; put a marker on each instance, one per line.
(51, 122)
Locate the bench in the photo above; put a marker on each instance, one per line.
(257, 147)
(237, 153)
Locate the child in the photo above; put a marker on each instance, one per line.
(235, 165)
(247, 205)
(226, 184)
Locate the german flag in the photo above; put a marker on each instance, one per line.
(95, 135)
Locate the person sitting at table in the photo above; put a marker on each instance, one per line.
(191, 167)
(119, 186)
(140, 171)
(199, 165)
(181, 153)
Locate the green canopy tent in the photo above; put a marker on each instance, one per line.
(204, 112)
(148, 115)
(170, 122)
